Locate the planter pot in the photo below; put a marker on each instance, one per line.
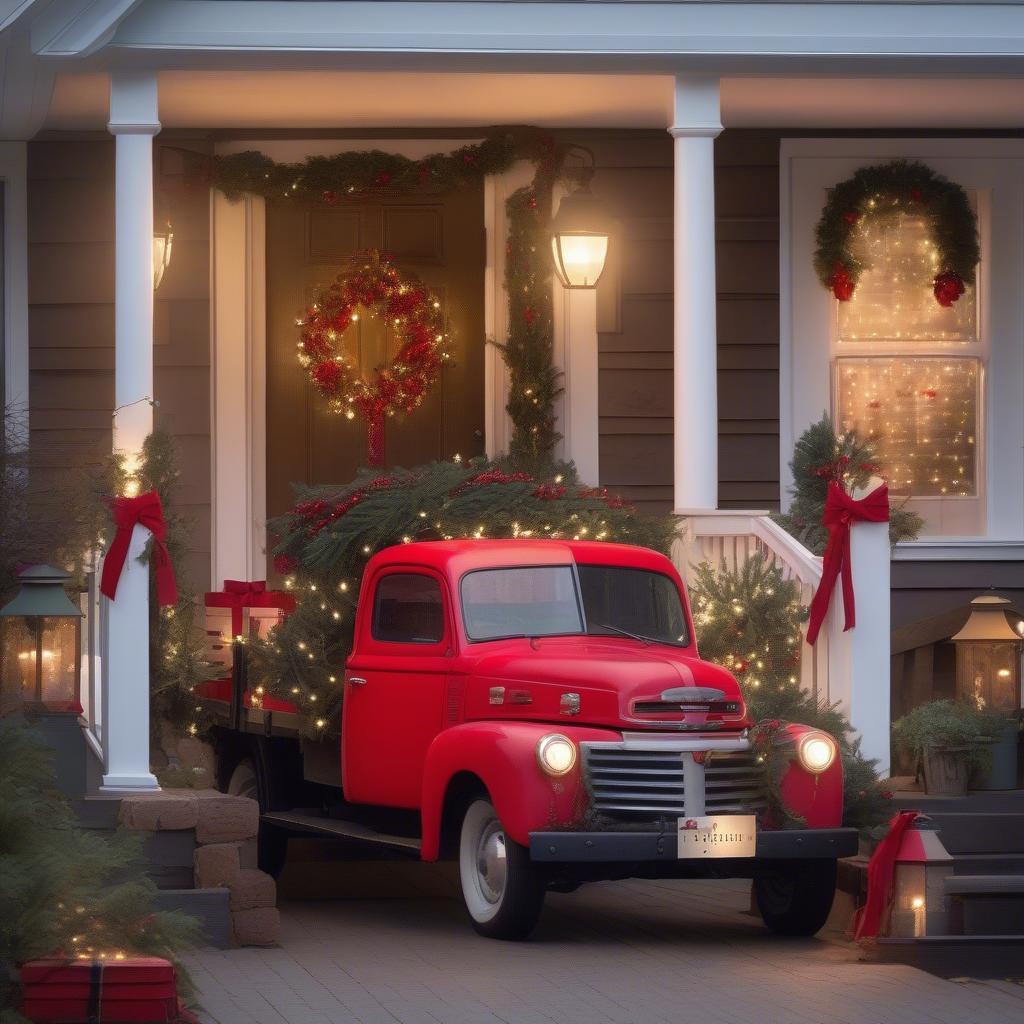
(1002, 774)
(946, 771)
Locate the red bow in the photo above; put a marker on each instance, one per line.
(245, 588)
(145, 510)
(840, 512)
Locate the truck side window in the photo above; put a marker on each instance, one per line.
(408, 609)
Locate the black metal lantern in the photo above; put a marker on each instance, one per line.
(988, 655)
(580, 230)
(40, 642)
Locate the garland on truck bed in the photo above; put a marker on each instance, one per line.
(330, 534)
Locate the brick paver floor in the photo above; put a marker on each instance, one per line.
(390, 945)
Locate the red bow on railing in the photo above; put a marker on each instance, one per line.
(840, 512)
(145, 510)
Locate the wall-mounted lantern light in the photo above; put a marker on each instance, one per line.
(988, 655)
(40, 642)
(163, 236)
(581, 229)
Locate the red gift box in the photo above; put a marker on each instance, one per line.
(245, 609)
(139, 989)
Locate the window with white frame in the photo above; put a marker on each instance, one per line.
(908, 371)
(942, 386)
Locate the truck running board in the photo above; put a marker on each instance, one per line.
(312, 823)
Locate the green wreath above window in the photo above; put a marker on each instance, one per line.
(886, 189)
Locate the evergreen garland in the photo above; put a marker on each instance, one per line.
(884, 190)
(327, 538)
(748, 620)
(64, 890)
(822, 455)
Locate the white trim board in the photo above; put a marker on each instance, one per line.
(15, 282)
(995, 168)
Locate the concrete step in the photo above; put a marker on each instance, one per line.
(989, 864)
(985, 904)
(998, 800)
(211, 907)
(954, 956)
(980, 831)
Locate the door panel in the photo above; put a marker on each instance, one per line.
(440, 240)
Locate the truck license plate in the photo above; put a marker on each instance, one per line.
(718, 835)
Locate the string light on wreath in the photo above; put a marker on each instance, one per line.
(888, 191)
(378, 291)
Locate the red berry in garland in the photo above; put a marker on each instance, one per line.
(948, 288)
(842, 284)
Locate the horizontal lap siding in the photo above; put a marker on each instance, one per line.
(635, 317)
(71, 324)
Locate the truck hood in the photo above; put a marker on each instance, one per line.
(619, 683)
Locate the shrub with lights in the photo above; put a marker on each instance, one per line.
(749, 620)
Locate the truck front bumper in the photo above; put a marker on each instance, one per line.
(640, 847)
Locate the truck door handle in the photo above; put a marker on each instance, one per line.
(357, 680)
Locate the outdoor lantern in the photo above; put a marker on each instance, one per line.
(40, 641)
(988, 656)
(162, 240)
(920, 872)
(580, 231)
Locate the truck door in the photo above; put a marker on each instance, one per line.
(395, 686)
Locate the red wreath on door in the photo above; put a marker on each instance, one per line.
(376, 287)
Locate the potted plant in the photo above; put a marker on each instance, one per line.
(1001, 732)
(947, 741)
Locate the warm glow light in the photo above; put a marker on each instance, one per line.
(162, 244)
(579, 258)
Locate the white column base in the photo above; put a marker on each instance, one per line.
(126, 679)
(580, 422)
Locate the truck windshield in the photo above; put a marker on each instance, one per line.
(544, 600)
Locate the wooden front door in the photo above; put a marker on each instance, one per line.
(440, 240)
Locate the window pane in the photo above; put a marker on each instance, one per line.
(408, 610)
(634, 600)
(924, 411)
(532, 601)
(893, 300)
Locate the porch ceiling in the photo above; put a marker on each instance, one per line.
(318, 100)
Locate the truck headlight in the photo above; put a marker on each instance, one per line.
(556, 754)
(817, 751)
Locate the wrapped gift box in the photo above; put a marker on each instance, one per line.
(245, 609)
(68, 992)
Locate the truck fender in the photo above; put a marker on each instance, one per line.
(503, 756)
(818, 799)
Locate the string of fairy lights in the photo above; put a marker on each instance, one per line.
(923, 408)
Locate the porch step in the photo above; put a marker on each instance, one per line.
(211, 907)
(955, 956)
(988, 864)
(1005, 801)
(985, 904)
(980, 832)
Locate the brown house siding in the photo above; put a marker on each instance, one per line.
(635, 317)
(71, 323)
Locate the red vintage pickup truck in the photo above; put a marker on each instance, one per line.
(538, 711)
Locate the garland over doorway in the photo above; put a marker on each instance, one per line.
(881, 190)
(327, 180)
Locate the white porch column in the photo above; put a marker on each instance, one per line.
(133, 122)
(696, 124)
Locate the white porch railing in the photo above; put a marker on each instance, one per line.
(851, 668)
(91, 656)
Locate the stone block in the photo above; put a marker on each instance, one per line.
(226, 819)
(252, 890)
(258, 927)
(249, 853)
(215, 865)
(171, 810)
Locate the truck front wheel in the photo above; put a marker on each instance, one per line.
(795, 897)
(502, 889)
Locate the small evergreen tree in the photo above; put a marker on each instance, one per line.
(67, 891)
(822, 455)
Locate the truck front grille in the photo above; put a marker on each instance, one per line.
(639, 782)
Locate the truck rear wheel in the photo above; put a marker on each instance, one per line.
(271, 842)
(501, 887)
(795, 897)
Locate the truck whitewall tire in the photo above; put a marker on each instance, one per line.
(502, 889)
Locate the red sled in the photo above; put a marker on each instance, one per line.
(142, 990)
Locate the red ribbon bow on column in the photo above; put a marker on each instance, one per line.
(145, 510)
(841, 511)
